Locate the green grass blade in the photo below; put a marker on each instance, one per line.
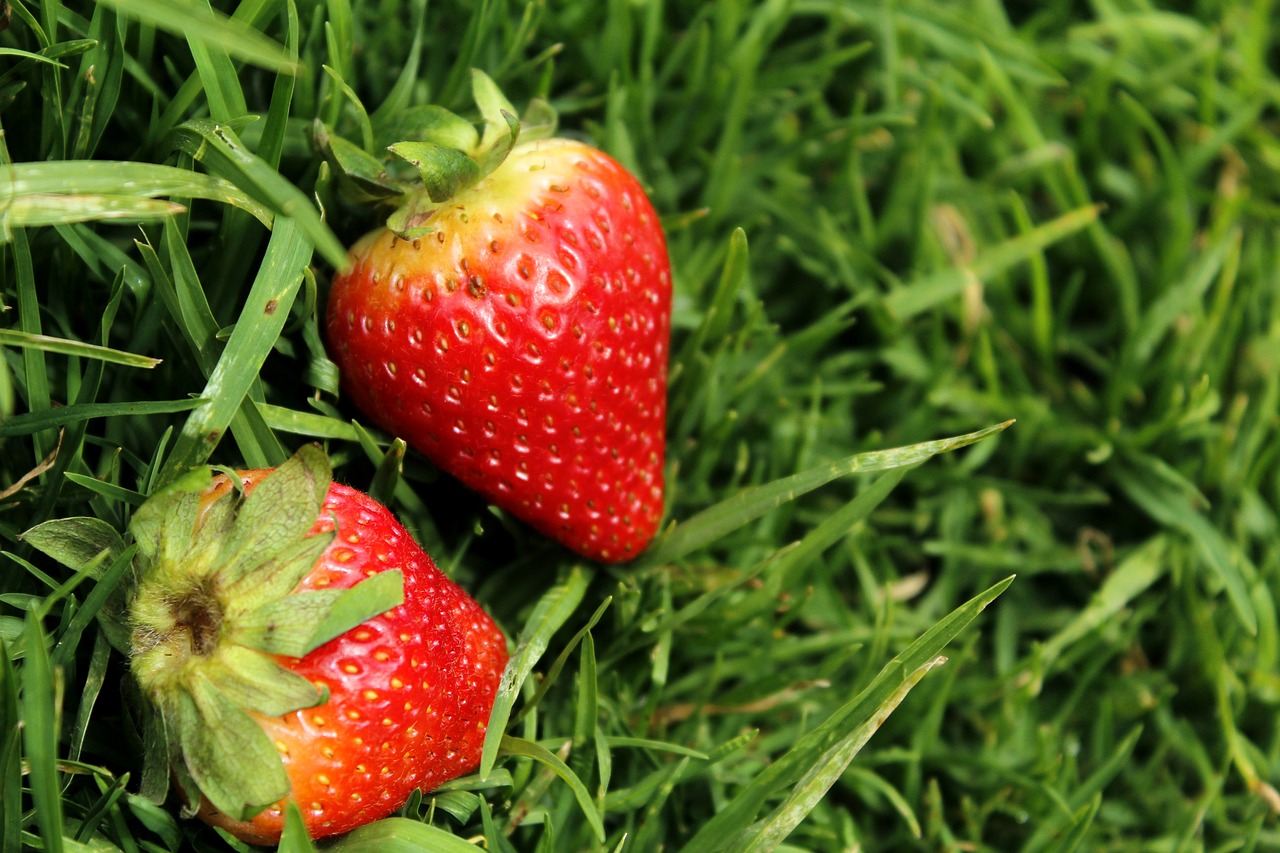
(200, 23)
(528, 749)
(553, 671)
(11, 780)
(919, 296)
(256, 331)
(110, 491)
(33, 211)
(310, 424)
(24, 54)
(712, 523)
(1084, 820)
(40, 734)
(218, 78)
(294, 839)
(551, 612)
(1132, 577)
(738, 814)
(766, 835)
(34, 422)
(34, 367)
(615, 741)
(1173, 509)
(222, 152)
(1084, 793)
(400, 835)
(122, 179)
(23, 340)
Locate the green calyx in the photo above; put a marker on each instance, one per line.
(215, 603)
(434, 154)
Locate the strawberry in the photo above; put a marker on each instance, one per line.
(294, 643)
(512, 323)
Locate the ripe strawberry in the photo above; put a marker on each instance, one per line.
(297, 644)
(514, 327)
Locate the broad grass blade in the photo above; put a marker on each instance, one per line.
(919, 296)
(256, 331)
(197, 21)
(551, 611)
(711, 524)
(400, 835)
(809, 791)
(738, 815)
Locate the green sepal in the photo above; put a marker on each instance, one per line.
(220, 516)
(75, 542)
(444, 171)
(278, 512)
(448, 154)
(209, 573)
(495, 109)
(230, 758)
(156, 764)
(492, 155)
(538, 121)
(366, 177)
(274, 578)
(412, 219)
(430, 123)
(256, 682)
(181, 511)
(153, 521)
(298, 624)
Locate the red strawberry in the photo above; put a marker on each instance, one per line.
(288, 660)
(519, 338)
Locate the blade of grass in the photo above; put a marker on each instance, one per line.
(199, 22)
(739, 813)
(528, 749)
(712, 523)
(265, 312)
(1174, 510)
(1084, 793)
(10, 753)
(34, 367)
(1135, 574)
(826, 769)
(551, 611)
(123, 179)
(309, 424)
(22, 340)
(221, 151)
(400, 835)
(34, 211)
(294, 838)
(918, 296)
(40, 734)
(34, 422)
(218, 78)
(553, 671)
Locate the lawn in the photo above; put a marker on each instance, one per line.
(973, 465)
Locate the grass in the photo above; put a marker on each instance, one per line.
(890, 223)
